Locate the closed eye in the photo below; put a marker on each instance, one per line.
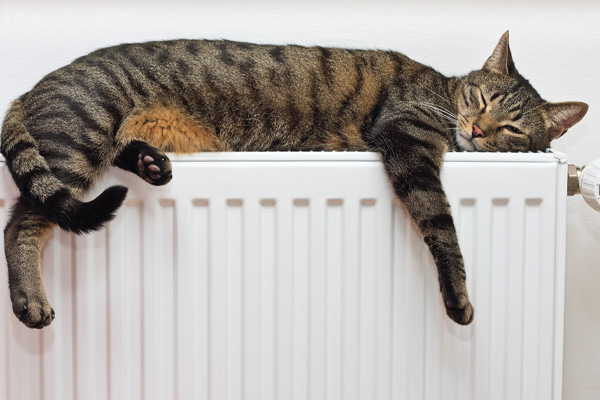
(512, 129)
(477, 95)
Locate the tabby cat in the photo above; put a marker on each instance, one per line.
(128, 105)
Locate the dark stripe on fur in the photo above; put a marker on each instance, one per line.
(416, 179)
(439, 221)
(325, 55)
(71, 178)
(15, 150)
(80, 111)
(24, 180)
(277, 53)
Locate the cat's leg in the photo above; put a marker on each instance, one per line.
(148, 162)
(23, 241)
(413, 163)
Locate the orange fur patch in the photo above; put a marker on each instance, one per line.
(169, 129)
(355, 141)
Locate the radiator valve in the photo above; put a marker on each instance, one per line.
(585, 180)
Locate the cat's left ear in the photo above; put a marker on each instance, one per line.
(500, 62)
(562, 116)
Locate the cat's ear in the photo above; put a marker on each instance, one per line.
(500, 62)
(562, 116)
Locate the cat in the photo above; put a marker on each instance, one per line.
(130, 104)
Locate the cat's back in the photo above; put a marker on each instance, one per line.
(239, 89)
(179, 66)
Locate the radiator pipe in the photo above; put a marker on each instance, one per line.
(573, 180)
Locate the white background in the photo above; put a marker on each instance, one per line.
(554, 44)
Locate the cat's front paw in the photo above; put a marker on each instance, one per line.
(154, 168)
(460, 310)
(32, 309)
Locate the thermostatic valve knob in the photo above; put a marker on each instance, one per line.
(589, 184)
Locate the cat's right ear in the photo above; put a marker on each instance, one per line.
(500, 62)
(561, 116)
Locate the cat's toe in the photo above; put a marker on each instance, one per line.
(155, 168)
(32, 309)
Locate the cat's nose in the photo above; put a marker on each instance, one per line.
(477, 132)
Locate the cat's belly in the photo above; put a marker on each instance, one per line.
(171, 129)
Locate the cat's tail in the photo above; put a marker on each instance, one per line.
(42, 189)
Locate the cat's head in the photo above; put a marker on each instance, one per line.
(498, 110)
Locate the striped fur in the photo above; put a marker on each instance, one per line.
(128, 105)
(41, 188)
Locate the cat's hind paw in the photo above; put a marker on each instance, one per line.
(32, 309)
(154, 168)
(462, 312)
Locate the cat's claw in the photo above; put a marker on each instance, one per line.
(31, 309)
(154, 168)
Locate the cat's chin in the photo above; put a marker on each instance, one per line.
(464, 144)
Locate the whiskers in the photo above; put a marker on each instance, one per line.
(443, 112)
(444, 99)
(455, 123)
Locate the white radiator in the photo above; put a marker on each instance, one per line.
(297, 276)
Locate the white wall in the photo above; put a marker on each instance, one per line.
(554, 45)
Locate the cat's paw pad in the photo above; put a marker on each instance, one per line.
(154, 168)
(461, 311)
(32, 309)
